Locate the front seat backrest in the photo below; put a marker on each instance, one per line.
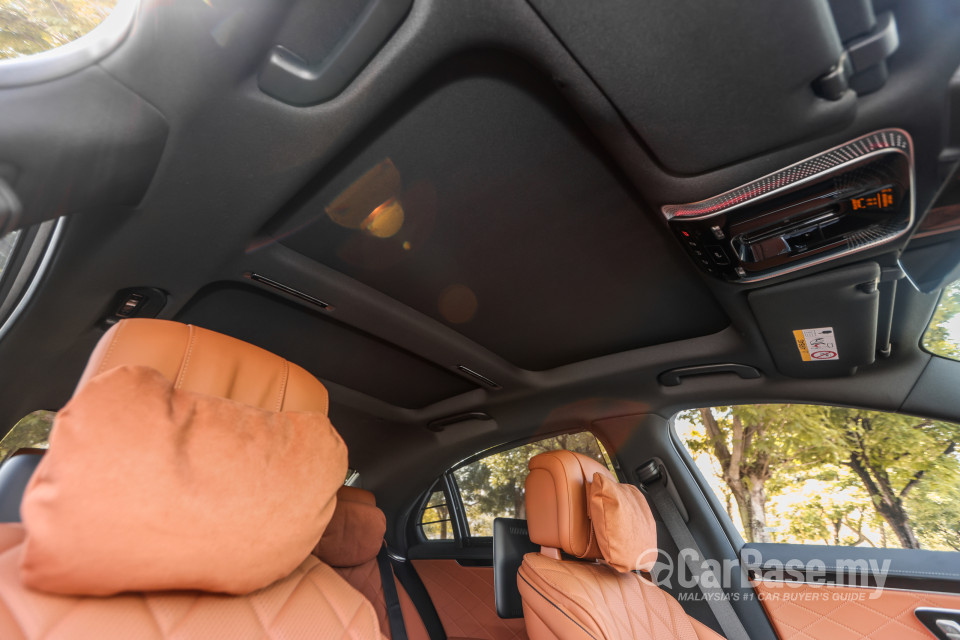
(350, 545)
(197, 359)
(153, 503)
(576, 508)
(194, 359)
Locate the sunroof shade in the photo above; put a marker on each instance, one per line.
(324, 347)
(483, 202)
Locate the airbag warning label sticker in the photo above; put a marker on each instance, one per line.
(817, 344)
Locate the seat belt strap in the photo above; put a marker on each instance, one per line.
(398, 630)
(706, 579)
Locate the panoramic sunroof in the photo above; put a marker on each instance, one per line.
(483, 202)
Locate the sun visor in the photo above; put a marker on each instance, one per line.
(824, 325)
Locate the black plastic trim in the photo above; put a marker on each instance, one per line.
(291, 79)
(931, 567)
(673, 377)
(876, 46)
(511, 541)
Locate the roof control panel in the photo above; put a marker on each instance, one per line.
(848, 199)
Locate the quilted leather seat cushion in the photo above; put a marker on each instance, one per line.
(351, 543)
(312, 603)
(147, 487)
(569, 600)
(365, 578)
(625, 528)
(355, 533)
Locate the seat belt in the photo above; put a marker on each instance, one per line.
(398, 630)
(653, 479)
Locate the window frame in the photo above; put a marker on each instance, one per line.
(440, 485)
(922, 342)
(33, 252)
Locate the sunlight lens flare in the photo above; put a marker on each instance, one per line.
(371, 203)
(384, 221)
(458, 304)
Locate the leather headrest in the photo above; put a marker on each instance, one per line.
(556, 500)
(149, 487)
(355, 533)
(203, 361)
(624, 525)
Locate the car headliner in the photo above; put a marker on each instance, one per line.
(530, 188)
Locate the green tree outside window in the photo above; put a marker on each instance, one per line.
(33, 26)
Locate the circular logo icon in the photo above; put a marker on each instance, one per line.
(823, 355)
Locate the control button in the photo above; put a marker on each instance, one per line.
(718, 256)
(129, 305)
(717, 232)
(740, 272)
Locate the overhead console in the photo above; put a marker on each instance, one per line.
(848, 199)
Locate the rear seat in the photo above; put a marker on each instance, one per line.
(350, 545)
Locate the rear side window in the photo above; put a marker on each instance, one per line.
(810, 474)
(492, 486)
(435, 521)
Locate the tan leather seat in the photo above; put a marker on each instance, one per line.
(160, 496)
(203, 361)
(577, 507)
(350, 545)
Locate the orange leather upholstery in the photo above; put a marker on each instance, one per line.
(355, 533)
(218, 476)
(181, 470)
(464, 599)
(580, 599)
(806, 611)
(625, 528)
(556, 498)
(312, 602)
(350, 545)
(199, 360)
